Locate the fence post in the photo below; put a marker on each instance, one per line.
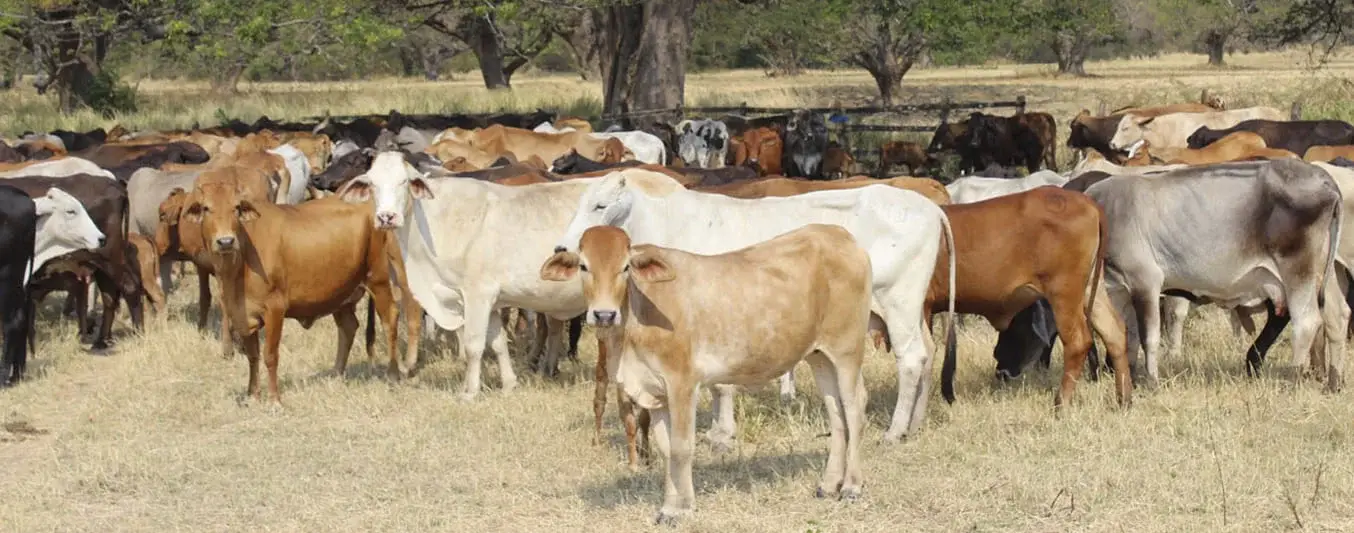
(945, 110)
(1020, 102)
(1296, 112)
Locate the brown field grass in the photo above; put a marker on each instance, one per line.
(155, 438)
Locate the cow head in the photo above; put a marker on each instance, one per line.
(566, 163)
(693, 149)
(221, 210)
(607, 264)
(1204, 136)
(393, 183)
(344, 168)
(63, 226)
(1130, 133)
(611, 200)
(948, 136)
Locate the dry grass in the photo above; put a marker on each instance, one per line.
(154, 438)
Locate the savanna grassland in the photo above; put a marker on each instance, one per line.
(155, 437)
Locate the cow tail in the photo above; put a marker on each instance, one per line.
(1098, 268)
(30, 308)
(371, 324)
(947, 367)
(1329, 272)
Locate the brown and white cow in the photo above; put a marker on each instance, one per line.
(679, 320)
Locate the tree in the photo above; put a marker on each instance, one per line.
(1214, 24)
(1320, 22)
(71, 38)
(1072, 28)
(504, 35)
(643, 53)
(891, 35)
(788, 35)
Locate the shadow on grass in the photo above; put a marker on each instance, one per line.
(708, 476)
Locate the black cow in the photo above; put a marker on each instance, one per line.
(575, 163)
(1006, 141)
(152, 156)
(351, 165)
(76, 141)
(9, 155)
(18, 232)
(265, 123)
(362, 131)
(954, 137)
(738, 124)
(805, 142)
(1295, 136)
(106, 202)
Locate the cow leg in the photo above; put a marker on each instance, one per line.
(1242, 322)
(346, 320)
(273, 313)
(77, 302)
(1106, 322)
(676, 431)
(829, 385)
(16, 322)
(498, 342)
(108, 292)
(388, 310)
(166, 270)
(251, 351)
(627, 408)
(601, 379)
(1174, 311)
(914, 372)
(204, 300)
(227, 347)
(1335, 316)
(787, 386)
(723, 429)
(1147, 302)
(575, 333)
(1274, 325)
(478, 317)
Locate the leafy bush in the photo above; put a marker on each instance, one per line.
(108, 96)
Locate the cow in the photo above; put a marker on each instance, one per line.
(837, 162)
(1296, 136)
(1173, 130)
(54, 168)
(106, 203)
(906, 153)
(1141, 164)
(646, 147)
(1328, 154)
(976, 189)
(1270, 229)
(74, 141)
(39, 150)
(466, 291)
(124, 159)
(32, 232)
(1238, 146)
(499, 140)
(674, 323)
(702, 143)
(575, 163)
(776, 187)
(141, 252)
(1007, 141)
(344, 168)
(303, 262)
(1086, 131)
(953, 137)
(805, 145)
(9, 155)
(295, 174)
(1045, 244)
(902, 231)
(759, 148)
(361, 131)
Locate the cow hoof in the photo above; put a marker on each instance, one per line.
(823, 494)
(892, 439)
(850, 495)
(721, 447)
(466, 397)
(100, 348)
(787, 397)
(669, 518)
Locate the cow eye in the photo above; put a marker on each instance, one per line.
(583, 267)
(599, 207)
(70, 213)
(626, 269)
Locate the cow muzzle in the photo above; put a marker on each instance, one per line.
(226, 243)
(388, 220)
(603, 317)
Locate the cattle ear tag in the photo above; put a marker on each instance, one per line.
(562, 266)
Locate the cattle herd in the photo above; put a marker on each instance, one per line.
(708, 252)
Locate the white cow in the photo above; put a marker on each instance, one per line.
(972, 189)
(647, 147)
(900, 229)
(472, 248)
(293, 189)
(59, 168)
(1173, 130)
(63, 227)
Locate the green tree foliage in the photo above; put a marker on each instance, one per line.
(1214, 25)
(1070, 28)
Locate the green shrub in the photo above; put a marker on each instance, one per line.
(108, 96)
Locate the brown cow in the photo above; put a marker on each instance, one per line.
(906, 153)
(1010, 251)
(141, 252)
(1239, 146)
(449, 149)
(303, 262)
(779, 186)
(837, 162)
(760, 148)
(1046, 130)
(662, 312)
(1326, 154)
(498, 139)
(1087, 131)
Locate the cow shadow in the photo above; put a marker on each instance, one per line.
(708, 476)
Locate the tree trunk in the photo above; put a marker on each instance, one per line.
(1071, 50)
(486, 47)
(888, 61)
(620, 35)
(1216, 42)
(406, 56)
(431, 61)
(660, 76)
(229, 81)
(886, 79)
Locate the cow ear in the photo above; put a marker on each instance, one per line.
(193, 213)
(44, 206)
(246, 212)
(646, 266)
(562, 266)
(1147, 121)
(420, 190)
(356, 191)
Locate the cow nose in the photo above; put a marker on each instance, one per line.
(604, 318)
(102, 241)
(225, 242)
(559, 249)
(386, 218)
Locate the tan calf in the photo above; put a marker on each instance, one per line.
(1326, 154)
(497, 140)
(762, 188)
(1238, 146)
(678, 321)
(302, 262)
(143, 254)
(450, 149)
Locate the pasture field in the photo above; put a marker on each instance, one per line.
(155, 437)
